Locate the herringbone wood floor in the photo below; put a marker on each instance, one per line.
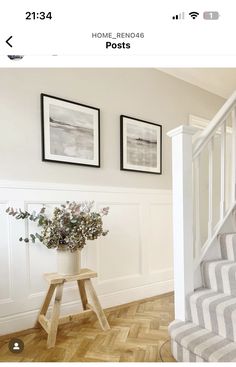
(138, 331)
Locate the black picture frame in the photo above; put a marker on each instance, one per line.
(63, 107)
(129, 159)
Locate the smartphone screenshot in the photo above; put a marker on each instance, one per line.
(117, 181)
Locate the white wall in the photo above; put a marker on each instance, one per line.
(133, 261)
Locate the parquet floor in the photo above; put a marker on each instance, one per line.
(138, 333)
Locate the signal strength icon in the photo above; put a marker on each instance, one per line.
(194, 14)
(178, 16)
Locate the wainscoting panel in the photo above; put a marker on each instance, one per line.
(160, 249)
(133, 261)
(119, 252)
(5, 258)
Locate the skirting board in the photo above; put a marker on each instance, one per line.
(26, 320)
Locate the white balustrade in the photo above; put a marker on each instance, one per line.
(187, 211)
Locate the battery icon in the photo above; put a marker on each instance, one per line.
(211, 15)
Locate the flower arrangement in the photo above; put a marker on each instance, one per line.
(69, 226)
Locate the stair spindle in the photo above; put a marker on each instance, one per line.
(210, 187)
(197, 207)
(222, 170)
(233, 117)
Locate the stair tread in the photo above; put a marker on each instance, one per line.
(202, 342)
(219, 261)
(204, 297)
(211, 293)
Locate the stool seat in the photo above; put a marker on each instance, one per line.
(55, 278)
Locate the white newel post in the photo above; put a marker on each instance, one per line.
(182, 216)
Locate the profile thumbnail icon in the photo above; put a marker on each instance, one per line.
(16, 345)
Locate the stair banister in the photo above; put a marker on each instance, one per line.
(203, 240)
(182, 216)
(186, 154)
(215, 123)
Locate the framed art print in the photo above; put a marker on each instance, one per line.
(141, 145)
(70, 132)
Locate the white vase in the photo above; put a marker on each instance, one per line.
(68, 263)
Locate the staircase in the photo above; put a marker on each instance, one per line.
(204, 329)
(209, 334)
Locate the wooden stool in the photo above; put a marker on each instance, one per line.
(56, 283)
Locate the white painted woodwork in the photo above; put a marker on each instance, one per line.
(210, 187)
(133, 261)
(206, 135)
(197, 245)
(187, 211)
(182, 215)
(221, 132)
(233, 118)
(159, 213)
(223, 170)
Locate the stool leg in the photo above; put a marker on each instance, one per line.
(96, 305)
(46, 302)
(82, 292)
(55, 317)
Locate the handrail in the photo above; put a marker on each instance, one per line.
(215, 123)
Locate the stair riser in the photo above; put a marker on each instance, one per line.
(228, 246)
(183, 355)
(215, 312)
(220, 276)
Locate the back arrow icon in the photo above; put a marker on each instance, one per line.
(7, 41)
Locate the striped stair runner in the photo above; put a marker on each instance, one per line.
(228, 246)
(219, 275)
(209, 335)
(201, 343)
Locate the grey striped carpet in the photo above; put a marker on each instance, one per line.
(214, 311)
(210, 332)
(228, 246)
(219, 275)
(182, 354)
(201, 343)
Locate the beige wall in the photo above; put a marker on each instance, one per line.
(143, 93)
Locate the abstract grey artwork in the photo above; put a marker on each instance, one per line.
(70, 132)
(140, 145)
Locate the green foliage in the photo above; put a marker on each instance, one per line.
(69, 226)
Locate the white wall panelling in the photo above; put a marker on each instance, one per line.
(5, 268)
(133, 261)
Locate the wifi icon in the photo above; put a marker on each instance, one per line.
(193, 14)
